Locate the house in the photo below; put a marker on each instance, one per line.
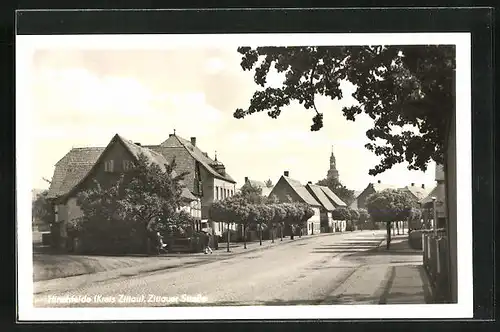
(360, 201)
(341, 225)
(288, 187)
(266, 190)
(206, 177)
(438, 192)
(78, 169)
(417, 192)
(326, 221)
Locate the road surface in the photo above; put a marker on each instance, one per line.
(330, 269)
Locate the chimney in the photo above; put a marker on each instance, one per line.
(246, 179)
(378, 181)
(137, 143)
(193, 141)
(170, 135)
(413, 184)
(423, 186)
(309, 182)
(286, 173)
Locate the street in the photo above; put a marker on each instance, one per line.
(346, 268)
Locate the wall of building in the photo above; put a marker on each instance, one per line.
(451, 196)
(361, 200)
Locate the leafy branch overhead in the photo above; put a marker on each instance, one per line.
(397, 86)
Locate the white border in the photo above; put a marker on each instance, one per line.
(25, 46)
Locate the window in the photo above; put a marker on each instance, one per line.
(108, 166)
(127, 165)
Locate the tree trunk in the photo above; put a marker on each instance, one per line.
(281, 231)
(273, 229)
(228, 237)
(260, 234)
(397, 226)
(388, 226)
(244, 236)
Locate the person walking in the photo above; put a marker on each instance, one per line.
(207, 239)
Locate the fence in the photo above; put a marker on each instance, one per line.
(436, 262)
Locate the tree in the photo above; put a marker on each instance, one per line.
(279, 215)
(414, 219)
(269, 183)
(240, 213)
(363, 217)
(265, 214)
(252, 194)
(220, 211)
(41, 208)
(144, 200)
(341, 213)
(308, 214)
(345, 194)
(397, 86)
(388, 206)
(354, 217)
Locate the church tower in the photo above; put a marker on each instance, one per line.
(332, 172)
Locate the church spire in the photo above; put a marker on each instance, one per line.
(332, 172)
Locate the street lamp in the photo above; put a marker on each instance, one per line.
(434, 215)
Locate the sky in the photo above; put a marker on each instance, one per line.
(83, 96)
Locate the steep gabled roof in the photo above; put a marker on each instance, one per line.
(332, 197)
(175, 141)
(320, 196)
(418, 192)
(78, 164)
(438, 191)
(300, 190)
(72, 168)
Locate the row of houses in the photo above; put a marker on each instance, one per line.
(320, 198)
(206, 181)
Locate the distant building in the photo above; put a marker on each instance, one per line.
(288, 187)
(326, 221)
(417, 192)
(266, 190)
(360, 201)
(332, 171)
(337, 203)
(437, 192)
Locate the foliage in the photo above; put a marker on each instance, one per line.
(389, 205)
(354, 214)
(341, 213)
(308, 212)
(252, 194)
(41, 208)
(124, 215)
(345, 194)
(396, 86)
(363, 216)
(269, 183)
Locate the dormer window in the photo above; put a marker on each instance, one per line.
(127, 165)
(109, 166)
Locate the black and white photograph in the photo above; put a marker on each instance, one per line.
(244, 176)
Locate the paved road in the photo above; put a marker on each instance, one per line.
(338, 268)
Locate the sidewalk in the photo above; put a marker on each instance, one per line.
(162, 262)
(407, 282)
(394, 276)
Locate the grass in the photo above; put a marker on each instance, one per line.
(47, 267)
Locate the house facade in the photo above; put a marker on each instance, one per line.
(78, 170)
(287, 187)
(206, 177)
(326, 221)
(339, 225)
